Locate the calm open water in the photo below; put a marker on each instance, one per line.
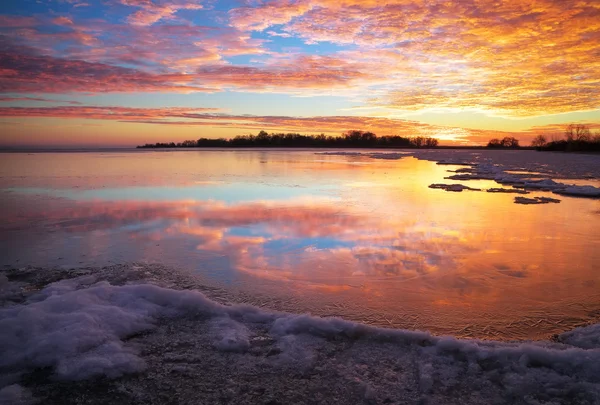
(350, 236)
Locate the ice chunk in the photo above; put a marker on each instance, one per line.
(579, 191)
(454, 162)
(535, 200)
(388, 155)
(506, 190)
(339, 153)
(453, 187)
(545, 184)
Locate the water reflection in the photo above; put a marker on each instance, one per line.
(368, 241)
(268, 237)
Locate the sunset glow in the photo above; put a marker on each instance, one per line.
(126, 72)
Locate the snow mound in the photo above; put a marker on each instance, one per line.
(587, 337)
(231, 336)
(80, 329)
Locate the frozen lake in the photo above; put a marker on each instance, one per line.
(356, 236)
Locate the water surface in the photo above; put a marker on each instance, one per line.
(350, 236)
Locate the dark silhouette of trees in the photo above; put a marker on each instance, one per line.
(539, 141)
(506, 142)
(494, 143)
(578, 133)
(349, 139)
(577, 138)
(431, 142)
(510, 142)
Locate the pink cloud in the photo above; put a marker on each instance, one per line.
(62, 21)
(151, 12)
(268, 14)
(25, 71)
(172, 47)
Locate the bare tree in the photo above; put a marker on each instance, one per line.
(510, 142)
(418, 141)
(578, 133)
(494, 143)
(431, 142)
(539, 141)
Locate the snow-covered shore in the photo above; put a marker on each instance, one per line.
(145, 334)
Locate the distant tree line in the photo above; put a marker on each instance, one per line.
(349, 139)
(506, 142)
(577, 138)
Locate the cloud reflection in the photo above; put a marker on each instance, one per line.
(296, 240)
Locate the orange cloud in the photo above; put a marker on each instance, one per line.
(514, 57)
(506, 58)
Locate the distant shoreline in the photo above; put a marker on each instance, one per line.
(477, 147)
(218, 148)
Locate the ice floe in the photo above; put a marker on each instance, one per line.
(453, 187)
(497, 166)
(535, 200)
(506, 190)
(491, 172)
(578, 191)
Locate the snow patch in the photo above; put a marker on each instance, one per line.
(587, 337)
(16, 395)
(231, 336)
(79, 329)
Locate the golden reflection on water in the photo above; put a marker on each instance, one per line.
(370, 242)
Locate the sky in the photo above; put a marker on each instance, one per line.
(84, 73)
